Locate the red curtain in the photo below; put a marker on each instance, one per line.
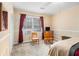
(42, 24)
(22, 18)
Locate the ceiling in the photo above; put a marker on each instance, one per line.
(49, 8)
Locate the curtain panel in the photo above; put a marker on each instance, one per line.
(42, 25)
(22, 18)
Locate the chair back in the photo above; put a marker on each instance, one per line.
(34, 35)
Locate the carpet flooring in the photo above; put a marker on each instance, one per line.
(29, 49)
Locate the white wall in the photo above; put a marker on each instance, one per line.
(66, 23)
(7, 37)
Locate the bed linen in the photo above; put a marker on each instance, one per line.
(62, 48)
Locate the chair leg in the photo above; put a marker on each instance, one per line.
(38, 41)
(35, 41)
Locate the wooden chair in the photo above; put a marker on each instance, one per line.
(35, 38)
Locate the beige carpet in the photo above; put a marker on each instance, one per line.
(27, 49)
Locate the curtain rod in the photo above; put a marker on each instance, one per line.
(33, 15)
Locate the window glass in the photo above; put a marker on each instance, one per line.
(32, 23)
(36, 24)
(28, 23)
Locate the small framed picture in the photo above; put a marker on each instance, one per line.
(4, 20)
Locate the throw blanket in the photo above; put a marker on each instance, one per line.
(73, 49)
(62, 48)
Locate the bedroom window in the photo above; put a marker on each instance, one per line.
(32, 23)
(28, 23)
(36, 24)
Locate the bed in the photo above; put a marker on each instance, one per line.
(62, 48)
